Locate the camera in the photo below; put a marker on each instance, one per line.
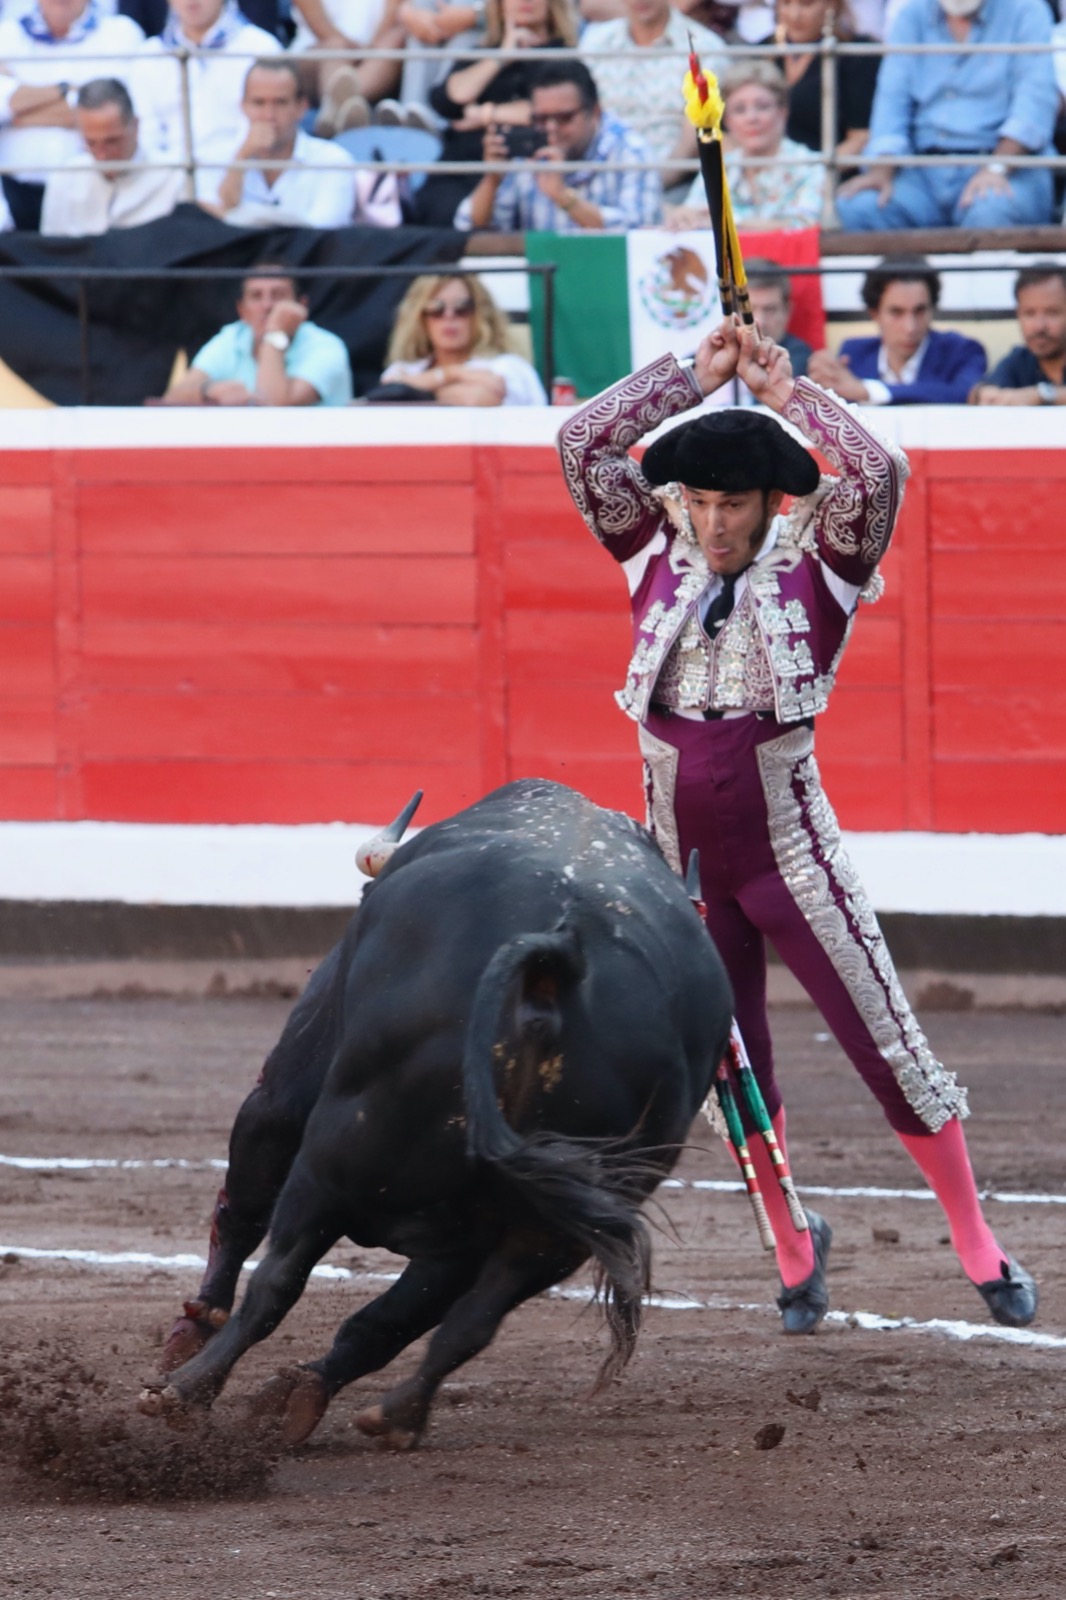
(524, 142)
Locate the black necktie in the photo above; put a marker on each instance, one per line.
(721, 606)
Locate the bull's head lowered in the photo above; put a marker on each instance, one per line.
(377, 851)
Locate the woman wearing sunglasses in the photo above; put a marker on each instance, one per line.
(451, 339)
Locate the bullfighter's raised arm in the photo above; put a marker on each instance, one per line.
(858, 509)
(608, 487)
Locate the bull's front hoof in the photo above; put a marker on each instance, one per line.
(163, 1400)
(298, 1398)
(190, 1333)
(389, 1435)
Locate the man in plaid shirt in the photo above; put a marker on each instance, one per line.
(566, 108)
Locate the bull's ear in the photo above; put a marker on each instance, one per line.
(693, 886)
(372, 856)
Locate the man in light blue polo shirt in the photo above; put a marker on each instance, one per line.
(272, 356)
(979, 108)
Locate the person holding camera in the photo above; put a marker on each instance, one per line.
(479, 92)
(566, 114)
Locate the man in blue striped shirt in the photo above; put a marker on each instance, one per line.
(566, 110)
(976, 107)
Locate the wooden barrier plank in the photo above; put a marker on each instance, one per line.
(549, 720)
(288, 791)
(26, 588)
(27, 660)
(367, 589)
(562, 577)
(25, 518)
(371, 727)
(874, 657)
(28, 794)
(992, 585)
(865, 794)
(235, 466)
(279, 657)
(975, 654)
(1024, 722)
(862, 725)
(593, 646)
(27, 731)
(985, 796)
(265, 519)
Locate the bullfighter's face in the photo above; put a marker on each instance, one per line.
(730, 525)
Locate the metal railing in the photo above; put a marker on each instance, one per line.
(830, 49)
(82, 277)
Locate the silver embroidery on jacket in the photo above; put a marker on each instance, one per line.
(863, 964)
(660, 782)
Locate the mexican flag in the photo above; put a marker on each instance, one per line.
(621, 300)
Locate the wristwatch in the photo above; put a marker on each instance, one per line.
(277, 340)
(999, 169)
(1049, 393)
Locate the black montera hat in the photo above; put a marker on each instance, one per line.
(732, 451)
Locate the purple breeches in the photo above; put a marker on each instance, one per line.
(746, 793)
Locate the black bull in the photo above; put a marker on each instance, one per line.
(488, 1075)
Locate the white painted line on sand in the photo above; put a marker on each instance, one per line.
(866, 1320)
(711, 1185)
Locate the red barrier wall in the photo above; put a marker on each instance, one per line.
(284, 635)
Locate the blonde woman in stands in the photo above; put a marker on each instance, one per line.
(451, 340)
(787, 194)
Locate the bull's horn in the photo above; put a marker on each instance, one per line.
(373, 855)
(693, 887)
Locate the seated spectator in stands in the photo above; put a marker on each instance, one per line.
(302, 195)
(479, 94)
(1033, 373)
(151, 15)
(450, 26)
(63, 44)
(271, 356)
(216, 86)
(803, 22)
(640, 86)
(85, 197)
(909, 362)
(566, 110)
(785, 195)
(771, 302)
(348, 87)
(451, 340)
(974, 107)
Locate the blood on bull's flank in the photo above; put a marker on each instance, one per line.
(488, 1075)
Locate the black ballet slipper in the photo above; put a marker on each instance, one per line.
(803, 1307)
(1013, 1297)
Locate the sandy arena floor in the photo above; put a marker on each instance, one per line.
(916, 1461)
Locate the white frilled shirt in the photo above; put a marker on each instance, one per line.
(81, 200)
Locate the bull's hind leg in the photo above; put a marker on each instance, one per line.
(304, 1229)
(519, 1269)
(367, 1341)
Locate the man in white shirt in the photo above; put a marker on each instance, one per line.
(229, 43)
(86, 197)
(301, 195)
(45, 55)
(642, 86)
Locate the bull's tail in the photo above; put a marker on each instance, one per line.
(575, 1185)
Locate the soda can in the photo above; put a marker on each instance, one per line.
(563, 392)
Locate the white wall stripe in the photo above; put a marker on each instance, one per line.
(313, 864)
(869, 1321)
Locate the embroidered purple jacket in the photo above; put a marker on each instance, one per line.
(780, 648)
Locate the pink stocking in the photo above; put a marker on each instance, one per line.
(945, 1165)
(795, 1252)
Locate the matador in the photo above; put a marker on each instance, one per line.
(745, 568)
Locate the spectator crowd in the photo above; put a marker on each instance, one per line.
(112, 112)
